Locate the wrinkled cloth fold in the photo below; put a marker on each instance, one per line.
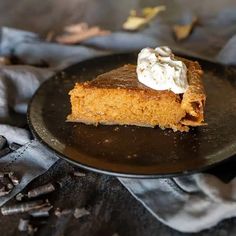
(27, 162)
(188, 204)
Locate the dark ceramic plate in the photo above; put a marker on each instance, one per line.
(134, 151)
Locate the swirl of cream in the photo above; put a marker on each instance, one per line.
(158, 69)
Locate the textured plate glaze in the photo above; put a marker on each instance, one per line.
(134, 151)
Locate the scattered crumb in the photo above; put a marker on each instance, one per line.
(19, 196)
(23, 225)
(31, 230)
(116, 128)
(132, 156)
(80, 212)
(79, 174)
(107, 141)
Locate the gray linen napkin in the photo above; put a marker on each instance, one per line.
(187, 204)
(28, 162)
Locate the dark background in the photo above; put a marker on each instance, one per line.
(46, 15)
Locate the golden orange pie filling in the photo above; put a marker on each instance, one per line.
(117, 97)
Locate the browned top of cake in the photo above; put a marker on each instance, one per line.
(126, 77)
(123, 77)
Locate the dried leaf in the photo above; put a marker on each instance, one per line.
(50, 36)
(132, 12)
(5, 61)
(135, 22)
(183, 31)
(78, 32)
(151, 12)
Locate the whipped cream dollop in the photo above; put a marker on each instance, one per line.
(160, 70)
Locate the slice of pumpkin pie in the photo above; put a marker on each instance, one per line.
(162, 90)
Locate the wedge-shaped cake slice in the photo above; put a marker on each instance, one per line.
(117, 97)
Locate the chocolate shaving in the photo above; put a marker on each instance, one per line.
(23, 207)
(7, 182)
(77, 33)
(3, 190)
(14, 179)
(41, 190)
(43, 212)
(58, 212)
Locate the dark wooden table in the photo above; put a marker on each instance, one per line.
(112, 209)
